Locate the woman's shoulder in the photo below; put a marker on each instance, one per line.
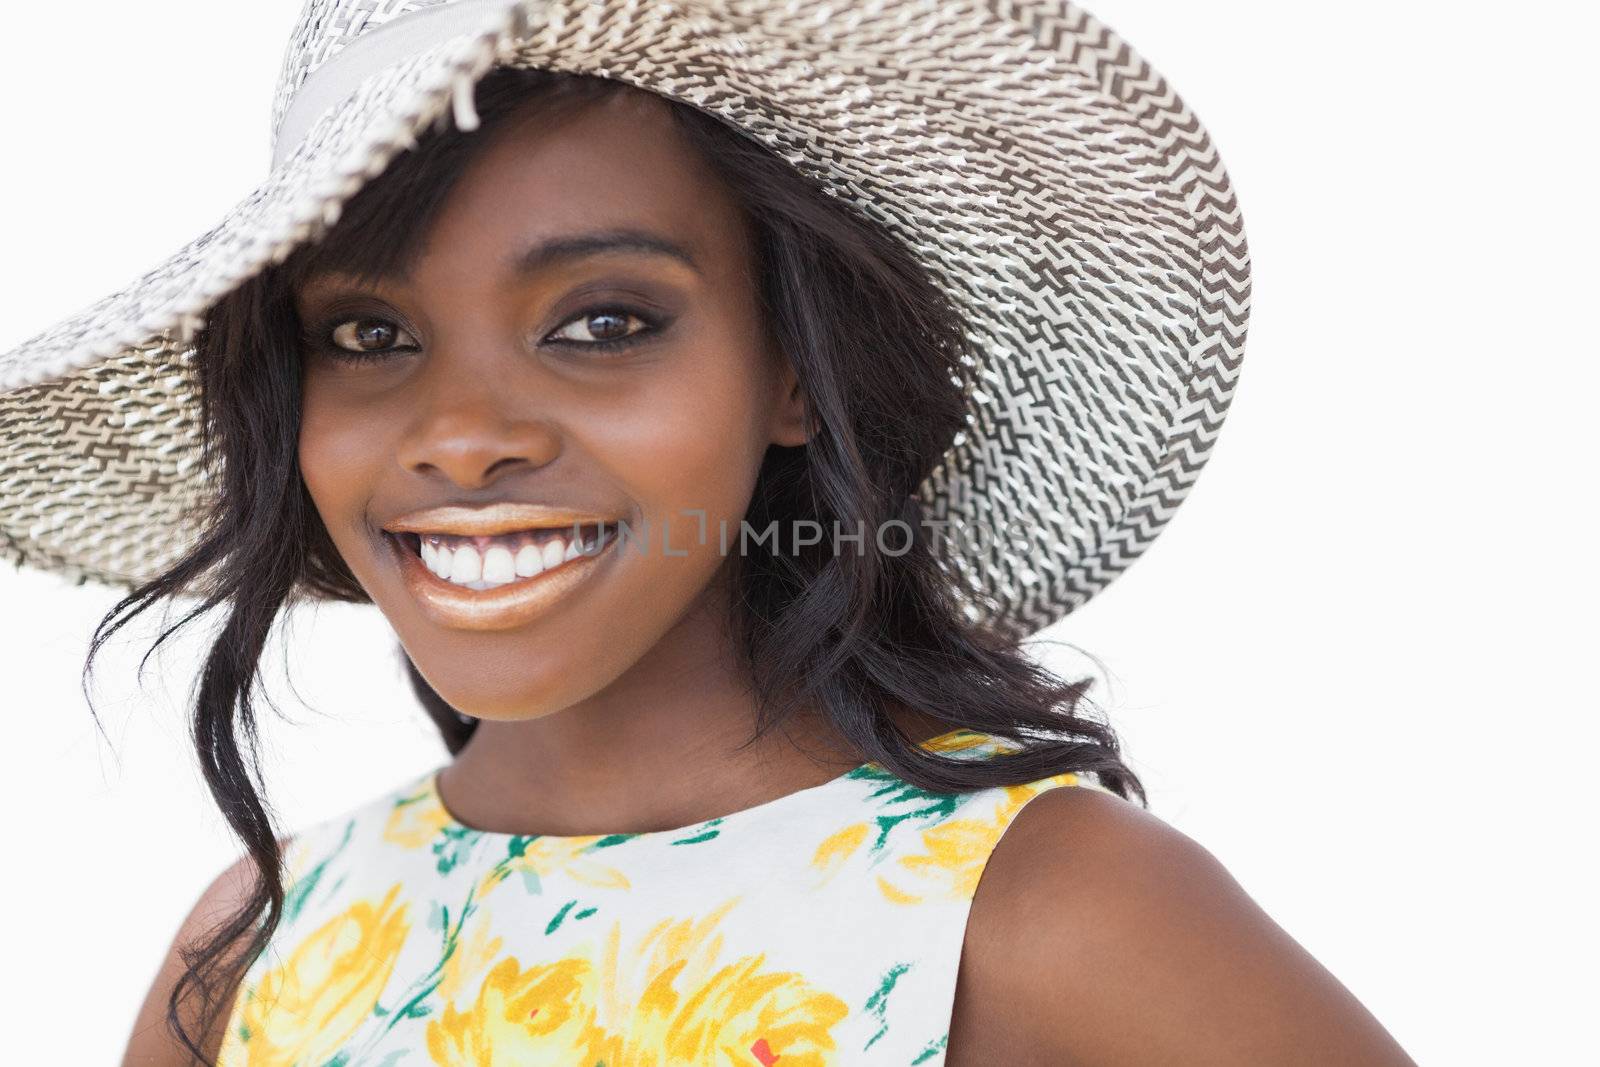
(308, 853)
(151, 1043)
(1092, 903)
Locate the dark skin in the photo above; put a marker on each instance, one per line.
(1099, 935)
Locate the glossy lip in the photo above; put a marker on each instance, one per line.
(502, 608)
(499, 518)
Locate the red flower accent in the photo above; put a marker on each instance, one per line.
(764, 1053)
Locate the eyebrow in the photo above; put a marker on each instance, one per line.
(556, 250)
(548, 253)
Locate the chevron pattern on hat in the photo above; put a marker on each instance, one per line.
(1052, 182)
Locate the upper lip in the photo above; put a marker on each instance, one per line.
(500, 518)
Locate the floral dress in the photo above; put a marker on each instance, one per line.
(823, 927)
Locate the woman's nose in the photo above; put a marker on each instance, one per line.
(473, 443)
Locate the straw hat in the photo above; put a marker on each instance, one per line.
(1050, 181)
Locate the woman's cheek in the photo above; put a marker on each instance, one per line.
(328, 460)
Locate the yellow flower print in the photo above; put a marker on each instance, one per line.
(955, 851)
(472, 957)
(667, 999)
(573, 857)
(673, 950)
(674, 999)
(900, 804)
(956, 741)
(741, 1014)
(302, 1011)
(544, 1011)
(836, 849)
(416, 821)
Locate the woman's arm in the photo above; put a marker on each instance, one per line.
(152, 1044)
(1101, 936)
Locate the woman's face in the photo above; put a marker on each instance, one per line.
(475, 399)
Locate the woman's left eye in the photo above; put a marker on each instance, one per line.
(602, 328)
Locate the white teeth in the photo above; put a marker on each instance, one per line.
(466, 565)
(498, 566)
(530, 561)
(554, 550)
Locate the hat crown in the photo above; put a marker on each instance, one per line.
(326, 28)
(1059, 192)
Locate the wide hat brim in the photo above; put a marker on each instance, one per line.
(1048, 178)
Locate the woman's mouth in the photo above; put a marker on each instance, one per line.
(498, 581)
(482, 562)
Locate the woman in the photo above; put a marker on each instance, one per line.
(588, 395)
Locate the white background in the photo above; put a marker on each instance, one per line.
(1357, 666)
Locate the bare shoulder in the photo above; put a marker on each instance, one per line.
(1100, 935)
(152, 1043)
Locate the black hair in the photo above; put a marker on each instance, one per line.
(877, 347)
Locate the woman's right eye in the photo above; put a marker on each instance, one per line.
(367, 337)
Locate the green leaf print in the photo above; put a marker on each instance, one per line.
(413, 998)
(933, 1049)
(414, 1010)
(892, 792)
(562, 914)
(609, 840)
(422, 793)
(554, 924)
(708, 833)
(294, 901)
(878, 1003)
(454, 844)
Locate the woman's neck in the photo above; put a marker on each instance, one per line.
(658, 749)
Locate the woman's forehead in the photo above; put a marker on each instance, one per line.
(543, 255)
(612, 178)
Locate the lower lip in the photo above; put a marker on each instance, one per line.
(504, 607)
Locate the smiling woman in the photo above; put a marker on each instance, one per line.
(635, 431)
(578, 331)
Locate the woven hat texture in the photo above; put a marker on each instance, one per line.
(1048, 178)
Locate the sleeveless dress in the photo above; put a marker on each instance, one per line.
(822, 927)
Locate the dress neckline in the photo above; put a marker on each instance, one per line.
(436, 812)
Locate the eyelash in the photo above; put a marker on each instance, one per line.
(320, 337)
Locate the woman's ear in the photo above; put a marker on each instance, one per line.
(789, 413)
